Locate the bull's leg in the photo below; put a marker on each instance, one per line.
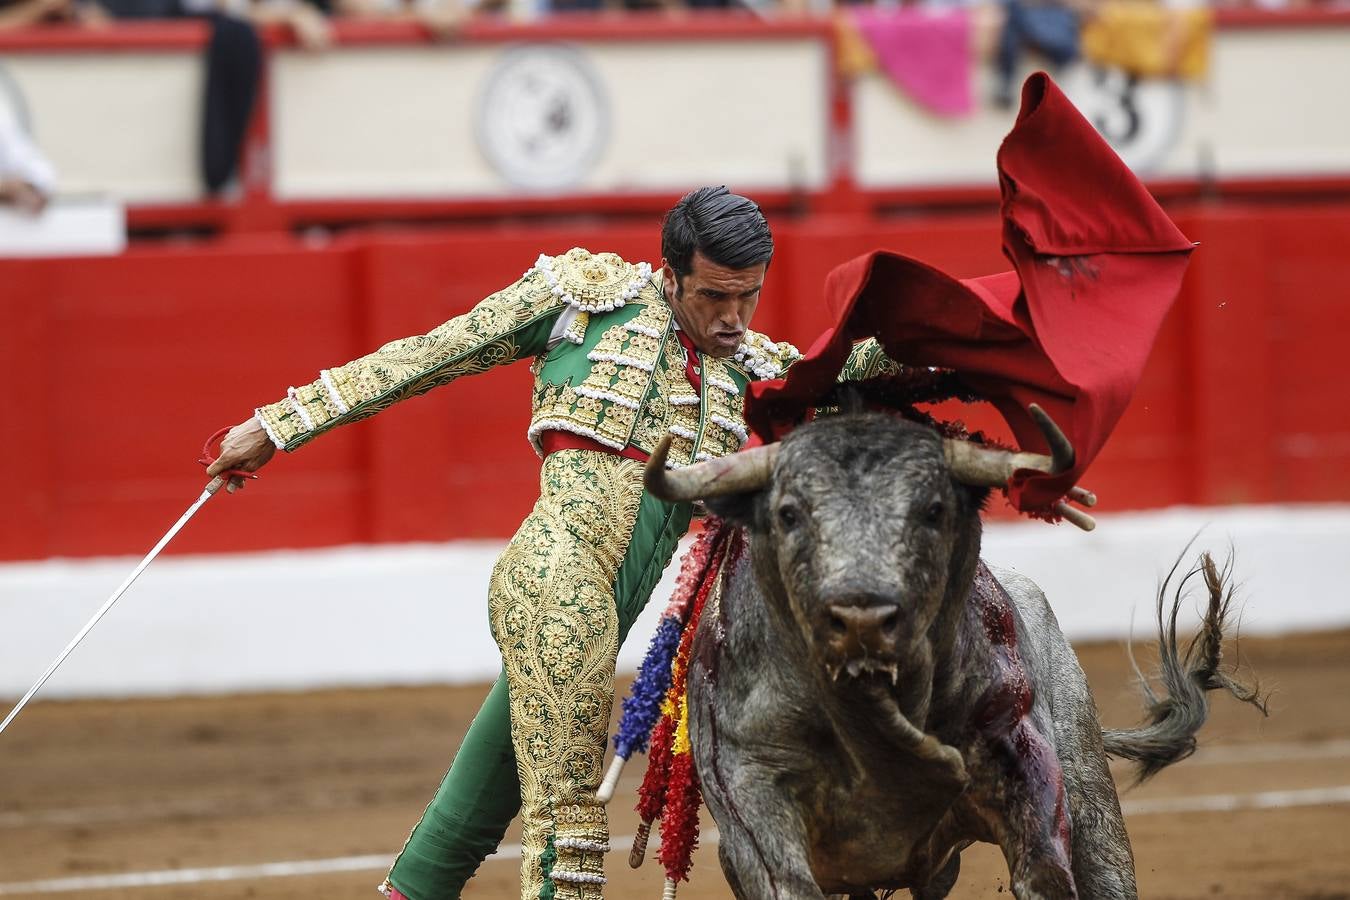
(762, 845)
(1018, 790)
(1103, 865)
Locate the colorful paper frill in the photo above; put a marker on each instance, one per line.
(642, 707)
(670, 790)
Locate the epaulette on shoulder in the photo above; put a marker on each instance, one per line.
(764, 357)
(593, 282)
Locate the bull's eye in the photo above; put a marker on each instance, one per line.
(933, 514)
(789, 517)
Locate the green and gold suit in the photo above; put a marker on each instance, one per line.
(608, 368)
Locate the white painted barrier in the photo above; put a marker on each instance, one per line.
(69, 226)
(417, 614)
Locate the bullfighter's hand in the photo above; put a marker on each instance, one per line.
(245, 447)
(313, 32)
(23, 196)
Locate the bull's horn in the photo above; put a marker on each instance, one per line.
(988, 467)
(748, 470)
(1075, 516)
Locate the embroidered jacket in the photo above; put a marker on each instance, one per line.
(608, 364)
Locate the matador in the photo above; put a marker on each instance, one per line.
(623, 355)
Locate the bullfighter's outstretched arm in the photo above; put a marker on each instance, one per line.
(509, 325)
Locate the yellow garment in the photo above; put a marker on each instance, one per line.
(853, 57)
(1148, 40)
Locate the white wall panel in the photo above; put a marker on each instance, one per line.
(1273, 105)
(126, 124)
(1283, 107)
(401, 121)
(382, 122)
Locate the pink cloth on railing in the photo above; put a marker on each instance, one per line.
(925, 54)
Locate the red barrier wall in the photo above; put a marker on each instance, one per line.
(118, 369)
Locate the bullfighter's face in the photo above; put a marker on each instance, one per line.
(713, 304)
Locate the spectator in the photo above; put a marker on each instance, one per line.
(21, 13)
(233, 63)
(1048, 27)
(27, 179)
(443, 18)
(306, 18)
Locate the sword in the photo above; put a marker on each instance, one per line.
(216, 484)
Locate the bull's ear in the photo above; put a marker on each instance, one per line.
(740, 509)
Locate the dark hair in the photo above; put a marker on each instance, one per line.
(726, 228)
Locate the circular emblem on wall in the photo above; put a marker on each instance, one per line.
(543, 116)
(1141, 118)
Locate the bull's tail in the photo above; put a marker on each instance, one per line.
(1172, 720)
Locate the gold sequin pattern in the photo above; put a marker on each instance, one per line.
(595, 278)
(605, 406)
(868, 360)
(670, 402)
(551, 606)
(474, 342)
(723, 407)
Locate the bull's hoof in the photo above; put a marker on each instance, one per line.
(942, 883)
(1048, 883)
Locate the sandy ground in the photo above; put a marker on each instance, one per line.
(95, 789)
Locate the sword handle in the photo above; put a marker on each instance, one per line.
(211, 452)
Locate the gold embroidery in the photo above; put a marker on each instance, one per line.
(685, 407)
(576, 330)
(724, 430)
(868, 360)
(474, 342)
(604, 407)
(764, 357)
(552, 612)
(593, 281)
(656, 413)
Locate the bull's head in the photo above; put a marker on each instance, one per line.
(864, 526)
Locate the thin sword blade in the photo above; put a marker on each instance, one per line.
(149, 558)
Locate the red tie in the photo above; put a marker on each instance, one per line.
(691, 367)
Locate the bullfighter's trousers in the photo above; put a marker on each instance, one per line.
(563, 596)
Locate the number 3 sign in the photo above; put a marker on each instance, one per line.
(1141, 119)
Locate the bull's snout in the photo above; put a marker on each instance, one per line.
(863, 630)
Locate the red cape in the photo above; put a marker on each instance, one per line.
(1097, 265)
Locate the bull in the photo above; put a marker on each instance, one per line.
(868, 698)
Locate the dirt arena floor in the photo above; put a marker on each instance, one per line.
(206, 798)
